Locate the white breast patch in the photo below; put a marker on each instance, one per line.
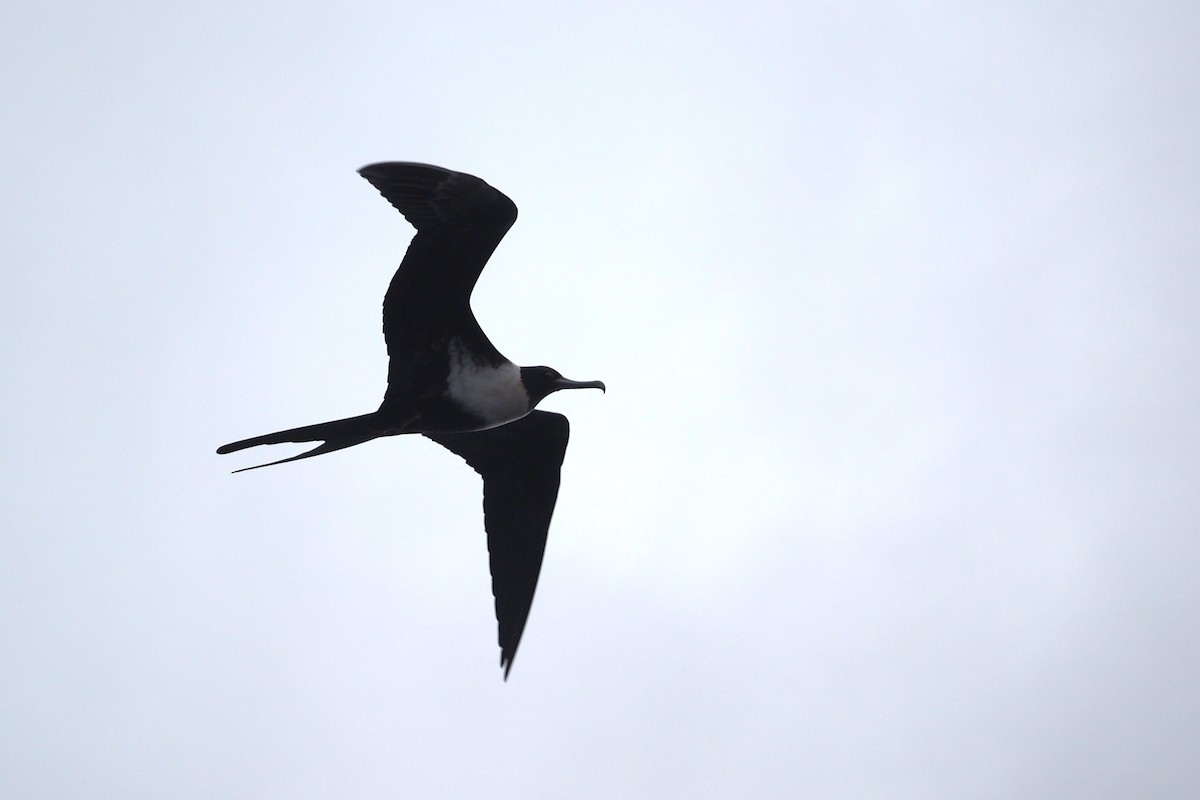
(494, 394)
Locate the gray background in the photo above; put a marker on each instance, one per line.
(892, 493)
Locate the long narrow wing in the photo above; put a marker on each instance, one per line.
(460, 220)
(520, 463)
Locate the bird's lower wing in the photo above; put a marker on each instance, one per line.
(520, 464)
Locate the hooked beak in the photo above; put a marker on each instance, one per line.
(563, 383)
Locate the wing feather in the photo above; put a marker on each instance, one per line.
(520, 464)
(460, 220)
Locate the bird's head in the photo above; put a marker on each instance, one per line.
(541, 381)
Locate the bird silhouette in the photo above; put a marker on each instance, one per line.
(447, 381)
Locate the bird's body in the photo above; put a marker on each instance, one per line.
(447, 381)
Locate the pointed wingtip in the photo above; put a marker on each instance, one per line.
(379, 167)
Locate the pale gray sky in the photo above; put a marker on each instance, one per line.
(892, 493)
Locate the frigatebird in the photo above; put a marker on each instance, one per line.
(448, 382)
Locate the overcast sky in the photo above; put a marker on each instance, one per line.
(893, 492)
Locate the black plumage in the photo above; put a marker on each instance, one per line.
(519, 463)
(447, 381)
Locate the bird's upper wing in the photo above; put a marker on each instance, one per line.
(520, 463)
(460, 220)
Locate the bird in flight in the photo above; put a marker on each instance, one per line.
(448, 382)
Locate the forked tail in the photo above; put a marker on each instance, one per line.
(334, 435)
